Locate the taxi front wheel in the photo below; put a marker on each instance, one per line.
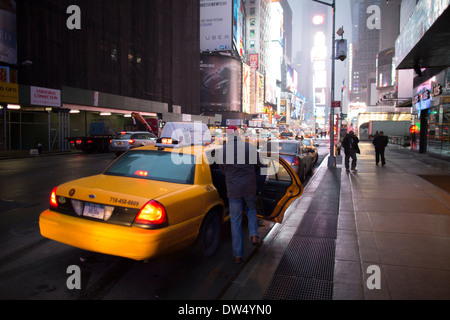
(209, 235)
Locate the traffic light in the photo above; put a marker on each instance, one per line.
(341, 49)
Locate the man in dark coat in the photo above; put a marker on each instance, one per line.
(240, 164)
(380, 142)
(351, 148)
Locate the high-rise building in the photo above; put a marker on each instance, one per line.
(365, 46)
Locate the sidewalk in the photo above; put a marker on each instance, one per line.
(387, 221)
(17, 154)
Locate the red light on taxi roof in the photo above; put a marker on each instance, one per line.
(123, 132)
(166, 141)
(141, 173)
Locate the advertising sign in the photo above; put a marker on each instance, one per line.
(8, 32)
(45, 97)
(221, 83)
(215, 25)
(246, 88)
(238, 26)
(259, 93)
(253, 60)
(9, 92)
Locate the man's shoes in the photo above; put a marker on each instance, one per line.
(237, 259)
(254, 240)
(348, 171)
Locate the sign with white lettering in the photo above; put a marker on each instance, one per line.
(45, 97)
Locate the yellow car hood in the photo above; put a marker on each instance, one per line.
(117, 191)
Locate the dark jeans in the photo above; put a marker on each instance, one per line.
(350, 154)
(380, 153)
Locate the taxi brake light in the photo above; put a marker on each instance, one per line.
(53, 200)
(297, 161)
(131, 141)
(153, 213)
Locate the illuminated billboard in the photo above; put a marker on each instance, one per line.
(259, 93)
(215, 25)
(246, 88)
(239, 27)
(221, 83)
(8, 32)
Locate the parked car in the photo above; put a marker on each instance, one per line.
(131, 139)
(296, 154)
(157, 199)
(309, 143)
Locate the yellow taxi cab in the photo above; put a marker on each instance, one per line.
(156, 199)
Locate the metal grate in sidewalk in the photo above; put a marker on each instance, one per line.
(306, 270)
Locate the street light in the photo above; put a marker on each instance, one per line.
(332, 158)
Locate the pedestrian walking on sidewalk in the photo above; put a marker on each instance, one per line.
(240, 169)
(380, 142)
(351, 148)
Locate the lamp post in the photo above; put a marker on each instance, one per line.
(332, 158)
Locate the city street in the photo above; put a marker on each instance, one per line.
(32, 267)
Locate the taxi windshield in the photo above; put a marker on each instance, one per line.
(154, 165)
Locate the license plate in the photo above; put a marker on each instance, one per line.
(93, 210)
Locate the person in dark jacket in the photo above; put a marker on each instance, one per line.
(380, 142)
(351, 148)
(240, 164)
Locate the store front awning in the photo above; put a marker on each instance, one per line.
(431, 50)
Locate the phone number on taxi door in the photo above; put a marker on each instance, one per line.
(124, 201)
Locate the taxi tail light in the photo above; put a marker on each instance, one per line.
(53, 199)
(131, 141)
(152, 214)
(296, 161)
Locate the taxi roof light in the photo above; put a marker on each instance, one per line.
(152, 214)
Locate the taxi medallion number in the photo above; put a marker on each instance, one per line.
(93, 210)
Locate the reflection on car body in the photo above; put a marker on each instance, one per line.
(148, 202)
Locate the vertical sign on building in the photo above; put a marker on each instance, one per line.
(246, 88)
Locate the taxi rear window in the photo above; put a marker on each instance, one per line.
(153, 165)
(124, 136)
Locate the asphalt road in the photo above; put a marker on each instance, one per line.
(32, 267)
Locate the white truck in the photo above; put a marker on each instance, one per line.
(397, 131)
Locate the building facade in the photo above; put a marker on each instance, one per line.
(425, 50)
(99, 56)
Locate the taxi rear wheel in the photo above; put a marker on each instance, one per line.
(209, 235)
